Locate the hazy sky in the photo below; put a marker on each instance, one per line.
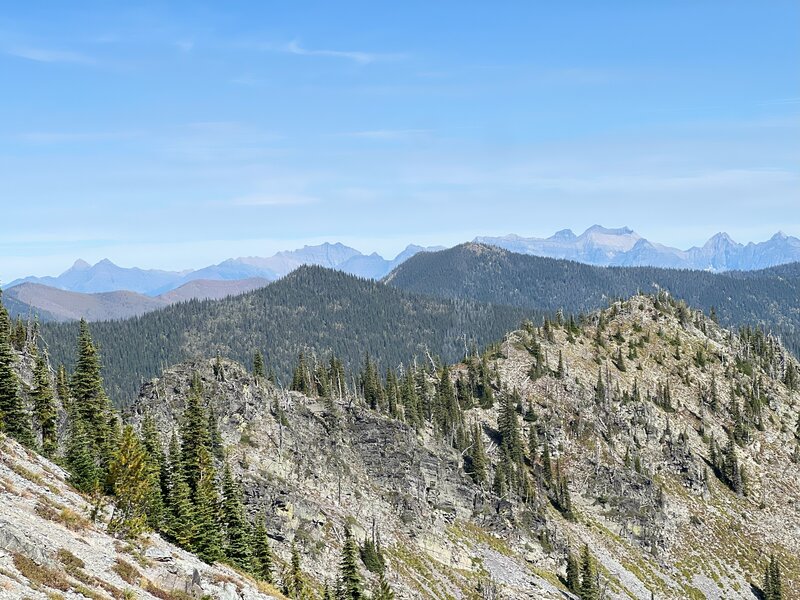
(176, 134)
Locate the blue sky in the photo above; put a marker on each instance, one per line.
(175, 135)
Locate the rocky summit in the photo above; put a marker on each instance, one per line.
(641, 451)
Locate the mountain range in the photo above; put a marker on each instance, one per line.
(105, 276)
(624, 247)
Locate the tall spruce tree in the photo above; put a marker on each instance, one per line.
(294, 581)
(14, 419)
(84, 472)
(259, 372)
(238, 540)
(573, 574)
(348, 569)
(157, 469)
(589, 588)
(91, 403)
(262, 552)
(478, 462)
(44, 406)
(206, 539)
(195, 436)
(180, 512)
(773, 587)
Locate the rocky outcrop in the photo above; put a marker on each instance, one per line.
(51, 547)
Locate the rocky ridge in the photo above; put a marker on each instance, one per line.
(638, 464)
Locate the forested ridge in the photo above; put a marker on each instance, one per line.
(315, 310)
(768, 298)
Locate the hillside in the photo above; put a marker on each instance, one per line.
(50, 547)
(644, 489)
(52, 304)
(313, 309)
(487, 274)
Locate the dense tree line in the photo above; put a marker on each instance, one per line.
(317, 309)
(187, 491)
(485, 274)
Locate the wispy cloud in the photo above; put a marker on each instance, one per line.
(362, 58)
(46, 55)
(273, 200)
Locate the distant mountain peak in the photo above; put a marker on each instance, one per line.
(779, 235)
(80, 265)
(720, 239)
(563, 234)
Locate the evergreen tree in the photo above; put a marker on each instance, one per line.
(478, 462)
(773, 588)
(301, 379)
(348, 569)
(509, 427)
(132, 482)
(44, 406)
(14, 419)
(259, 371)
(195, 436)
(158, 471)
(294, 581)
(237, 529)
(206, 542)
(91, 403)
(573, 574)
(589, 588)
(262, 552)
(599, 388)
(179, 504)
(84, 473)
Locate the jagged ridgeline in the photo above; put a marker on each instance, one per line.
(768, 298)
(313, 309)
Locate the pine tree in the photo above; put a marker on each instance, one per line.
(158, 470)
(258, 366)
(84, 473)
(773, 587)
(348, 569)
(599, 388)
(44, 406)
(589, 589)
(132, 482)
(206, 542)
(294, 581)
(14, 419)
(509, 427)
(478, 462)
(180, 513)
(195, 436)
(262, 552)
(90, 400)
(573, 574)
(237, 530)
